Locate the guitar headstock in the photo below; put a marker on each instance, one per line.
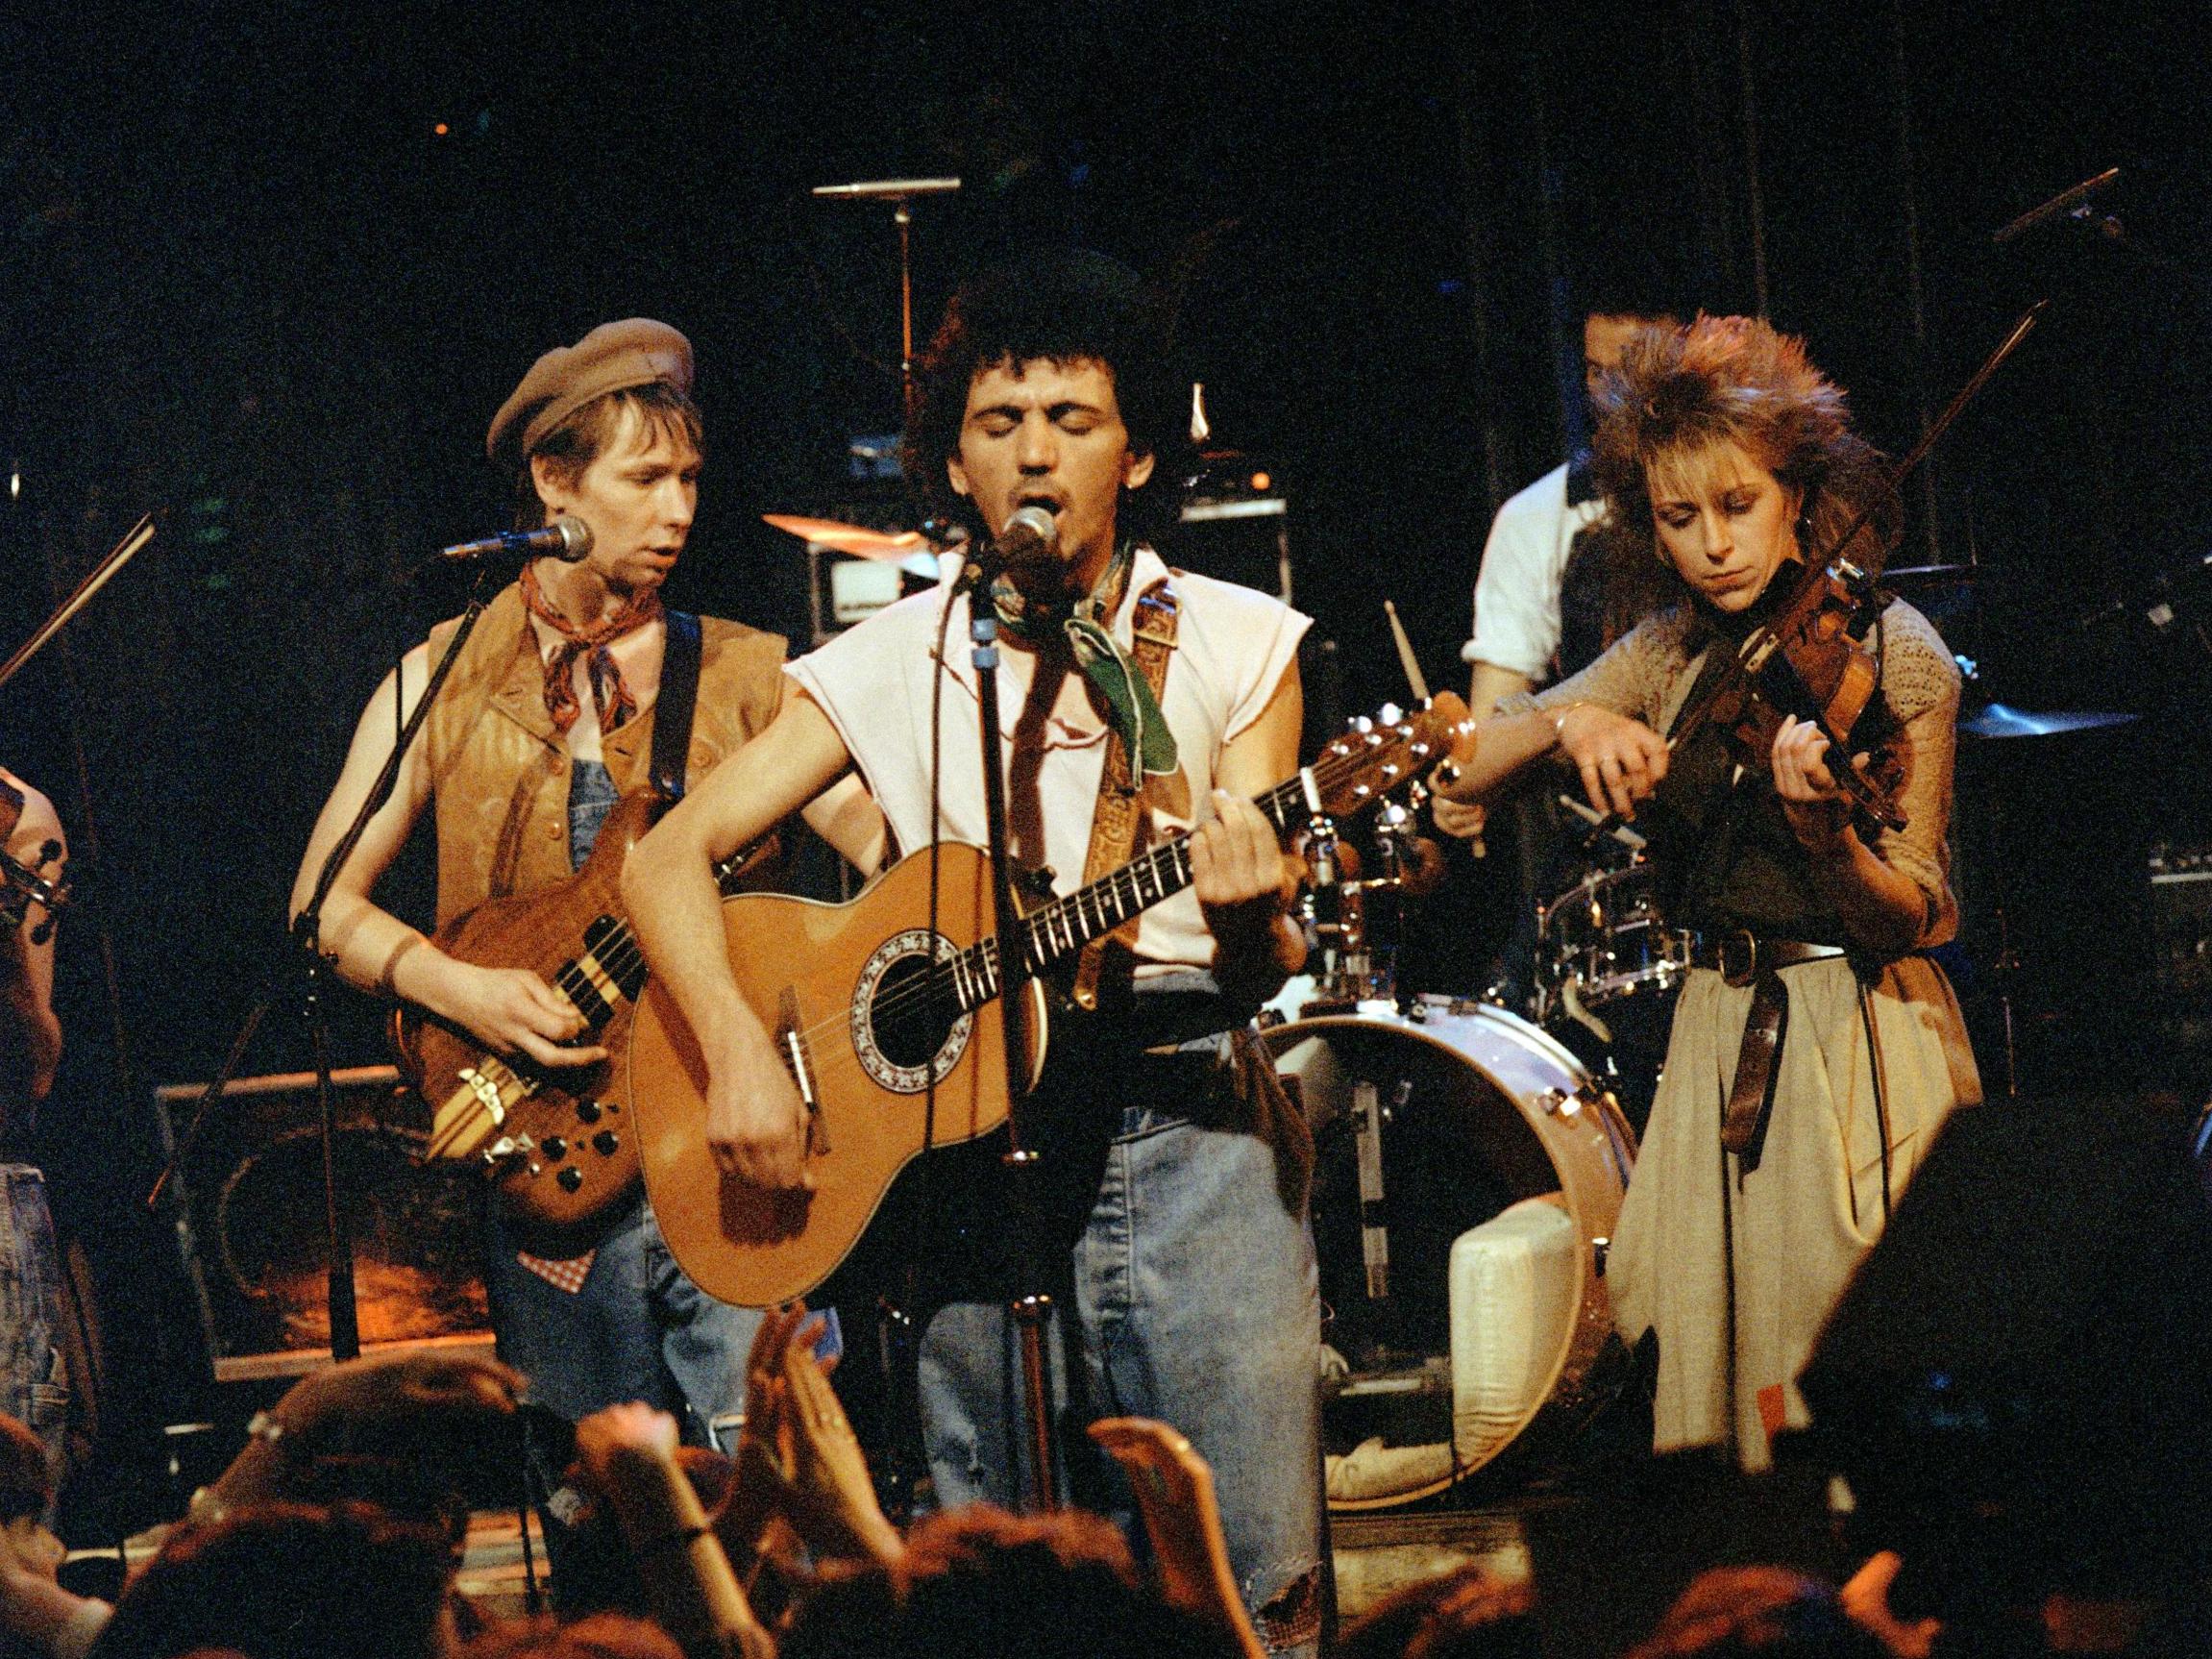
(1379, 754)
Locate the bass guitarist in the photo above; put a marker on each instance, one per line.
(1179, 1243)
(554, 711)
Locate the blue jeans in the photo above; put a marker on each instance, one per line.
(1196, 1301)
(38, 1387)
(638, 1329)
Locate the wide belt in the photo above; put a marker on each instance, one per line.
(1739, 956)
(1746, 958)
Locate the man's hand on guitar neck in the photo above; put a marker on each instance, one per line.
(1245, 884)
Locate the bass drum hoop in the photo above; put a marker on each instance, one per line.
(1582, 1134)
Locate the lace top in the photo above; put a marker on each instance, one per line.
(1648, 673)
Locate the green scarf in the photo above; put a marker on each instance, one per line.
(1087, 625)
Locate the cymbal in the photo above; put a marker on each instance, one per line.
(854, 539)
(2002, 720)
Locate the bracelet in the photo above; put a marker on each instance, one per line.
(391, 967)
(683, 1537)
(1559, 721)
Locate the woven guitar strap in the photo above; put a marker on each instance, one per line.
(1113, 821)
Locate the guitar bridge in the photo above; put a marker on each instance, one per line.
(487, 1095)
(506, 1147)
(794, 1056)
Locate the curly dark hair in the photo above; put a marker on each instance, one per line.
(1682, 392)
(1064, 307)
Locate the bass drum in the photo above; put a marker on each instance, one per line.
(1468, 1171)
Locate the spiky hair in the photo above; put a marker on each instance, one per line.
(1681, 393)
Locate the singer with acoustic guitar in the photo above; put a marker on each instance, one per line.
(1177, 1237)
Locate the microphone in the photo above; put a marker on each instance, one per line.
(1031, 533)
(567, 539)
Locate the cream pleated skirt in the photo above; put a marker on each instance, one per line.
(1737, 1269)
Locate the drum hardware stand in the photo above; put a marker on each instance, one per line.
(2001, 969)
(312, 969)
(900, 194)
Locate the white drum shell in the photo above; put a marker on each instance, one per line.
(1549, 1134)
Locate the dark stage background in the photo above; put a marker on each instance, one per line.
(268, 269)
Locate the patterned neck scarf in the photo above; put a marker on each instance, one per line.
(1087, 625)
(611, 697)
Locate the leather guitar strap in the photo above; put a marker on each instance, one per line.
(673, 708)
(1113, 821)
(1751, 1097)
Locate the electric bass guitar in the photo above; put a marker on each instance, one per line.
(556, 1143)
(868, 1007)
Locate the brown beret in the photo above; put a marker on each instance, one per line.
(612, 357)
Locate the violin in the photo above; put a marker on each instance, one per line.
(1807, 661)
(23, 885)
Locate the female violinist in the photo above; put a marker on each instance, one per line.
(1815, 1047)
(31, 1288)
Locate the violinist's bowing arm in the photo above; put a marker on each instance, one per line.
(1619, 760)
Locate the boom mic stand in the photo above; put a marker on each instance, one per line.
(1030, 1306)
(312, 974)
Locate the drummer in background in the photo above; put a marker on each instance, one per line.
(1728, 459)
(1548, 596)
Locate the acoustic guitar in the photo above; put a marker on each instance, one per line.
(556, 1143)
(868, 1007)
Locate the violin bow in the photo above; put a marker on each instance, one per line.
(117, 557)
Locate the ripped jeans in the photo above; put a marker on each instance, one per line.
(38, 1388)
(1196, 1301)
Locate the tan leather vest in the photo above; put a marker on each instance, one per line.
(500, 771)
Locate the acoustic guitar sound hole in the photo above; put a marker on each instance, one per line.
(910, 1017)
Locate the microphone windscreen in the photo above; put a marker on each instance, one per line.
(575, 538)
(1032, 532)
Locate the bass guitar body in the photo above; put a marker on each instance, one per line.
(845, 990)
(557, 1144)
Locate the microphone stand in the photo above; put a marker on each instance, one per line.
(1031, 1305)
(312, 971)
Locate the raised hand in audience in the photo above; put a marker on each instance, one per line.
(627, 1454)
(1174, 1490)
(799, 1447)
(1865, 1599)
